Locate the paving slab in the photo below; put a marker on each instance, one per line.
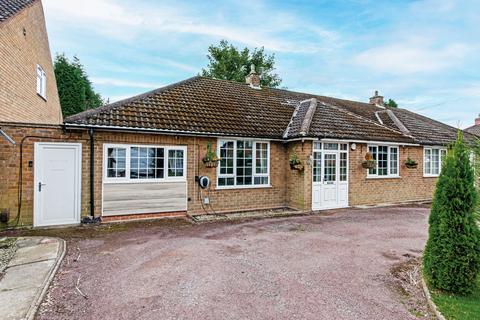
(28, 276)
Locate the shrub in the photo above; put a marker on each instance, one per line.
(452, 254)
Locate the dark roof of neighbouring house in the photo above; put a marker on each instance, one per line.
(220, 107)
(474, 130)
(9, 8)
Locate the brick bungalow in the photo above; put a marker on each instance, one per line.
(141, 157)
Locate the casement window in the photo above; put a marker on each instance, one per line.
(432, 161)
(244, 163)
(138, 163)
(41, 82)
(387, 161)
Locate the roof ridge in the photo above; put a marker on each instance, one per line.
(365, 119)
(122, 102)
(398, 122)
(307, 120)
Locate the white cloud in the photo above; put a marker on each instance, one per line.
(128, 20)
(125, 83)
(411, 57)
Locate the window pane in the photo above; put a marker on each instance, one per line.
(394, 161)
(373, 152)
(317, 167)
(382, 160)
(226, 156)
(330, 168)
(317, 145)
(427, 161)
(261, 158)
(443, 154)
(261, 180)
(343, 166)
(330, 146)
(116, 162)
(244, 163)
(435, 160)
(175, 163)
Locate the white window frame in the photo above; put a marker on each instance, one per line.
(440, 159)
(41, 82)
(254, 165)
(389, 175)
(127, 178)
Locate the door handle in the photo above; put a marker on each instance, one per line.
(40, 186)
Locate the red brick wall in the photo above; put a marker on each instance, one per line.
(221, 200)
(9, 167)
(410, 186)
(19, 56)
(299, 183)
(289, 187)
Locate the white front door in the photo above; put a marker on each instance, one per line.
(57, 183)
(330, 176)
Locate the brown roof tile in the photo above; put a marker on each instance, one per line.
(219, 107)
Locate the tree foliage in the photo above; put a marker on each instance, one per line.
(391, 103)
(228, 63)
(452, 254)
(74, 88)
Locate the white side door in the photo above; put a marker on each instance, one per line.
(57, 183)
(329, 194)
(330, 176)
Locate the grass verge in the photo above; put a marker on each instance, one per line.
(457, 307)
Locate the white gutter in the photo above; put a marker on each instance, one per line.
(373, 142)
(163, 131)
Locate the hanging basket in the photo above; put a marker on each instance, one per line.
(411, 165)
(298, 167)
(369, 164)
(211, 163)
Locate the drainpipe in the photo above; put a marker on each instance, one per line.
(92, 172)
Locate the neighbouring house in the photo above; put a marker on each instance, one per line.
(28, 90)
(261, 148)
(475, 129)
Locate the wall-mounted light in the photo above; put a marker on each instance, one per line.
(353, 146)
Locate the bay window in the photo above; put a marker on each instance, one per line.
(136, 163)
(432, 161)
(386, 161)
(243, 163)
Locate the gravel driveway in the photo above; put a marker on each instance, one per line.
(311, 267)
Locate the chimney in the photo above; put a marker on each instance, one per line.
(477, 120)
(253, 79)
(377, 100)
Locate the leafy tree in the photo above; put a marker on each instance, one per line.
(74, 88)
(452, 254)
(391, 103)
(228, 63)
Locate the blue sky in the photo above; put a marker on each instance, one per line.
(423, 54)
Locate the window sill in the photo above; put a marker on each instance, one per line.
(383, 177)
(134, 181)
(431, 175)
(243, 187)
(43, 98)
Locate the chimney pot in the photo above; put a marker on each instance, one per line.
(253, 78)
(377, 99)
(477, 120)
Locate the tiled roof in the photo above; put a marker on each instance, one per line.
(9, 8)
(474, 130)
(219, 107)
